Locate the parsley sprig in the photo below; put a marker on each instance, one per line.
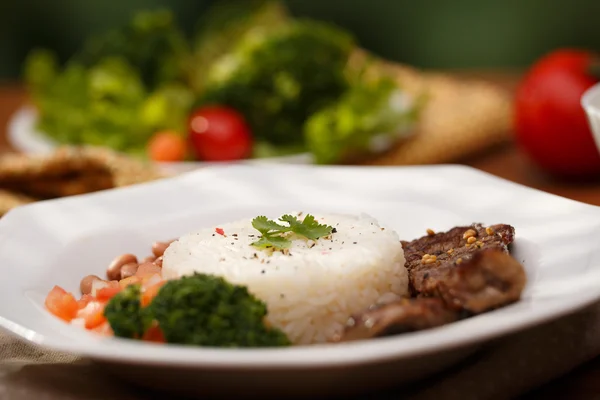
(274, 235)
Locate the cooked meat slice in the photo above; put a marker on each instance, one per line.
(406, 315)
(433, 256)
(488, 279)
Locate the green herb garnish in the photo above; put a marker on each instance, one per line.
(274, 235)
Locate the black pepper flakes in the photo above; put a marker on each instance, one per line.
(334, 230)
(234, 235)
(262, 272)
(232, 243)
(248, 235)
(213, 234)
(354, 242)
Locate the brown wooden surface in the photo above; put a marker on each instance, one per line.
(506, 162)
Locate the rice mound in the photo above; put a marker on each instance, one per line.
(311, 293)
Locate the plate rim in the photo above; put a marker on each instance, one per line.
(374, 350)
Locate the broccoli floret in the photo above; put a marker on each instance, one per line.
(221, 28)
(206, 310)
(277, 80)
(151, 42)
(125, 314)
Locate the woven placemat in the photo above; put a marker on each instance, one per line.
(460, 118)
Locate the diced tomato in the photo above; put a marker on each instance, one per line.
(61, 303)
(132, 280)
(107, 293)
(104, 329)
(154, 334)
(84, 300)
(220, 231)
(151, 292)
(93, 314)
(147, 269)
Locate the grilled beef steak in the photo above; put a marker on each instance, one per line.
(434, 255)
(451, 277)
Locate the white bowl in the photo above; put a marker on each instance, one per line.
(60, 241)
(24, 137)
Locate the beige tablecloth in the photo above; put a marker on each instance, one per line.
(507, 368)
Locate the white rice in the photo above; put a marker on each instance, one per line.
(310, 292)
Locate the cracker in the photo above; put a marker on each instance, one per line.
(67, 171)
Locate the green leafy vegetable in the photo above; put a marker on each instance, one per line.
(118, 91)
(273, 233)
(277, 80)
(125, 314)
(369, 118)
(206, 310)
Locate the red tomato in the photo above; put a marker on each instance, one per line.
(219, 134)
(61, 304)
(154, 334)
(107, 293)
(92, 314)
(151, 292)
(85, 299)
(550, 123)
(167, 146)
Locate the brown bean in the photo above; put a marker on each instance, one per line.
(158, 261)
(113, 272)
(158, 248)
(128, 270)
(86, 283)
(149, 259)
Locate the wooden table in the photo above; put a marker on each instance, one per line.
(505, 161)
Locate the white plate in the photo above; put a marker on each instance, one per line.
(58, 242)
(24, 137)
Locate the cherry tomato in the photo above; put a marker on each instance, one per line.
(219, 134)
(550, 123)
(167, 146)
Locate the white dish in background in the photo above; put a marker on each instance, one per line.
(60, 241)
(590, 102)
(24, 137)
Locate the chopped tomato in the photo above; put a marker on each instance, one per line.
(107, 293)
(151, 292)
(129, 281)
(104, 329)
(220, 231)
(148, 269)
(61, 303)
(93, 314)
(154, 334)
(84, 300)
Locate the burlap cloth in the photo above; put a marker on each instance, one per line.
(503, 369)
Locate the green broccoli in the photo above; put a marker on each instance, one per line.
(206, 310)
(151, 43)
(221, 28)
(125, 314)
(277, 79)
(369, 118)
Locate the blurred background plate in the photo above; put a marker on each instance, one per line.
(24, 137)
